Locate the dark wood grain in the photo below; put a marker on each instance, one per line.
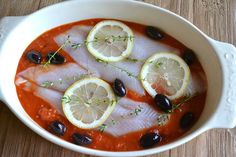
(214, 17)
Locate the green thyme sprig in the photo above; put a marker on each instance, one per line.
(178, 105)
(124, 70)
(57, 51)
(134, 60)
(119, 68)
(66, 99)
(48, 84)
(102, 127)
(84, 43)
(107, 40)
(113, 38)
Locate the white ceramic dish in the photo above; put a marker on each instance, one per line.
(217, 58)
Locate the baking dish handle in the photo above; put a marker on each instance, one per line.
(6, 25)
(226, 118)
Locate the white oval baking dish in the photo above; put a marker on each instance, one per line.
(217, 58)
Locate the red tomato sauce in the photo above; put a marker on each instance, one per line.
(43, 113)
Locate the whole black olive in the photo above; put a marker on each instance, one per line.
(189, 56)
(57, 128)
(119, 88)
(80, 139)
(34, 57)
(56, 59)
(150, 139)
(187, 120)
(163, 102)
(154, 33)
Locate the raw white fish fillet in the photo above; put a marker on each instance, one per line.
(124, 119)
(58, 77)
(125, 114)
(143, 48)
(197, 84)
(50, 96)
(128, 114)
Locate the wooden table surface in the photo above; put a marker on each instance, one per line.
(217, 18)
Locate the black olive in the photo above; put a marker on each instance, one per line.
(187, 120)
(80, 139)
(154, 33)
(163, 102)
(189, 56)
(57, 128)
(150, 139)
(34, 57)
(119, 88)
(56, 59)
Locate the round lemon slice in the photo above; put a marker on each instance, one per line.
(88, 102)
(110, 41)
(165, 73)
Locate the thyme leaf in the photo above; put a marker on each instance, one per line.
(113, 101)
(113, 122)
(47, 84)
(102, 127)
(158, 64)
(101, 61)
(76, 45)
(134, 60)
(66, 99)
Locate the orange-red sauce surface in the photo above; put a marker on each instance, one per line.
(42, 113)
